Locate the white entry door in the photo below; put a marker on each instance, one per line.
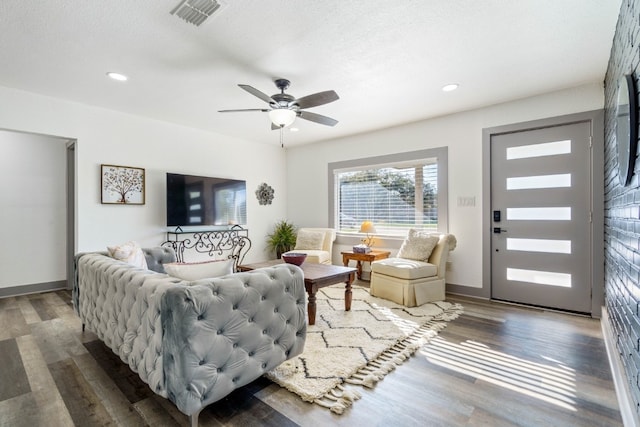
(540, 205)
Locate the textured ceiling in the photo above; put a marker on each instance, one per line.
(387, 60)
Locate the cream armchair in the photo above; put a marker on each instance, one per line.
(412, 282)
(317, 243)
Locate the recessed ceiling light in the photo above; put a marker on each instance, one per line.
(294, 129)
(117, 76)
(450, 87)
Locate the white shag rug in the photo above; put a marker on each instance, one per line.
(357, 347)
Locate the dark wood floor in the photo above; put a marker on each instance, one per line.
(497, 365)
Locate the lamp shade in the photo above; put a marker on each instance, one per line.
(282, 117)
(367, 227)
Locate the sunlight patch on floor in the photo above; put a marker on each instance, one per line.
(553, 383)
(405, 325)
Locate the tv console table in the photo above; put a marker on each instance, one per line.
(234, 242)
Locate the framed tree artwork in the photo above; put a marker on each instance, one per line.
(122, 185)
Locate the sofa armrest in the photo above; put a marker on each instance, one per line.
(220, 334)
(440, 253)
(75, 291)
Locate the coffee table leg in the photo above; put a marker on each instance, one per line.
(311, 307)
(347, 294)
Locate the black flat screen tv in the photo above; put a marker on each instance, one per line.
(205, 201)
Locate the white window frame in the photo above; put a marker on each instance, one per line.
(441, 156)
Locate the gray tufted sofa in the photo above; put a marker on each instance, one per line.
(192, 342)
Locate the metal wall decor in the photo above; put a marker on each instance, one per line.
(265, 193)
(122, 185)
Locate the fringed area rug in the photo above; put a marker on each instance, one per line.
(357, 347)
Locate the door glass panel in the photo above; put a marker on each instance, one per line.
(539, 245)
(540, 277)
(540, 181)
(539, 150)
(539, 214)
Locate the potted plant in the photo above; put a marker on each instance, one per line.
(283, 238)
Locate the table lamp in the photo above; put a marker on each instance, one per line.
(368, 228)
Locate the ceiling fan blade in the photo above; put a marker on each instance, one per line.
(264, 110)
(316, 99)
(255, 92)
(317, 118)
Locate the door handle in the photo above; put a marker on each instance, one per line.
(498, 230)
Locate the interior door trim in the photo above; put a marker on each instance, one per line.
(596, 120)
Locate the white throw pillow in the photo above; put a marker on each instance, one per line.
(130, 253)
(310, 240)
(418, 245)
(199, 270)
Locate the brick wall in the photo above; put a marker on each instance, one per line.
(622, 208)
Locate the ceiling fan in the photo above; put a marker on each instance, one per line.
(284, 108)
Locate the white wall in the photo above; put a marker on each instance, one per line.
(307, 181)
(115, 138)
(109, 137)
(33, 209)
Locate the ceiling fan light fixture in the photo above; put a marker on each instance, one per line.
(282, 117)
(284, 108)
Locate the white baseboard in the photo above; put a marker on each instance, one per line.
(627, 407)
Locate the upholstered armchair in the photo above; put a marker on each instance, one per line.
(417, 274)
(317, 243)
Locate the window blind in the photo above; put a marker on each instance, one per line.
(393, 198)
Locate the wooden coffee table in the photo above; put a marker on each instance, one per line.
(316, 276)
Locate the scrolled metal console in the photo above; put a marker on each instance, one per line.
(234, 243)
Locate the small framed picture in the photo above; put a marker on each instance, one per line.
(122, 185)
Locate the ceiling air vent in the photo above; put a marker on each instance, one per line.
(195, 11)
